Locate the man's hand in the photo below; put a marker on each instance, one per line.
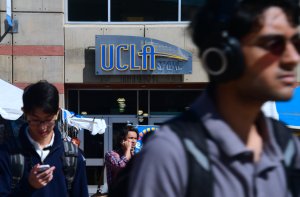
(40, 179)
(127, 147)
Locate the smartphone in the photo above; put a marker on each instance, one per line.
(42, 168)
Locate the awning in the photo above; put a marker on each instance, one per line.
(10, 101)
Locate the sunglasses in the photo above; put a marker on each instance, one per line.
(276, 44)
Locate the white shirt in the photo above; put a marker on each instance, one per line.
(41, 152)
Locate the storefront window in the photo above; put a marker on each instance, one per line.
(92, 143)
(131, 10)
(130, 102)
(188, 9)
(122, 102)
(171, 102)
(91, 10)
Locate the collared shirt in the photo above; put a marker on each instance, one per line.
(161, 168)
(42, 152)
(114, 161)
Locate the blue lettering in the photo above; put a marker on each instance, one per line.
(119, 65)
(148, 51)
(132, 58)
(104, 65)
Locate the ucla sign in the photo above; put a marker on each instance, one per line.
(129, 55)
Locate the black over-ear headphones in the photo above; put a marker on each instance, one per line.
(221, 54)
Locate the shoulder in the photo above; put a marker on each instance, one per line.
(163, 162)
(166, 147)
(164, 137)
(4, 151)
(12, 145)
(111, 153)
(112, 156)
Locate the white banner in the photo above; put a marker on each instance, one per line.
(94, 125)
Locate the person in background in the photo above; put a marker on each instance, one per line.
(40, 143)
(250, 51)
(115, 160)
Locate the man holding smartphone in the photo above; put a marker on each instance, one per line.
(43, 150)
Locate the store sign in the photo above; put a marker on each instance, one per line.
(144, 130)
(132, 55)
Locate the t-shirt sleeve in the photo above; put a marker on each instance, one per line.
(160, 169)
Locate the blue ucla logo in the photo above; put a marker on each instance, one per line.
(138, 55)
(109, 61)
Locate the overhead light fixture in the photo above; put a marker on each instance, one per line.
(122, 104)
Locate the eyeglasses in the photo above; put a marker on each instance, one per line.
(276, 44)
(48, 123)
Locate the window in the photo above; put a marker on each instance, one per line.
(121, 102)
(171, 102)
(130, 102)
(131, 10)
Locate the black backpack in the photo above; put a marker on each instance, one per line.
(199, 165)
(199, 162)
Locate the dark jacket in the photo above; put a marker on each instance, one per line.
(57, 187)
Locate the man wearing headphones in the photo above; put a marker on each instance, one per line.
(250, 50)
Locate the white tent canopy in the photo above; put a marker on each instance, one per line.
(94, 125)
(11, 109)
(10, 101)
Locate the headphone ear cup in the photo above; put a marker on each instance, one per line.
(223, 61)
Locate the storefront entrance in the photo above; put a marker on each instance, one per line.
(95, 147)
(118, 108)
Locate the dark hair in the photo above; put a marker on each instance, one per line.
(125, 131)
(41, 95)
(123, 134)
(238, 19)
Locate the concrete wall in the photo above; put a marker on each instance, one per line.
(46, 48)
(80, 40)
(36, 51)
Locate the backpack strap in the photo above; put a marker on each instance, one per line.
(193, 135)
(17, 160)
(17, 168)
(69, 162)
(283, 136)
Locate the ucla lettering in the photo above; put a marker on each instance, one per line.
(108, 53)
(127, 55)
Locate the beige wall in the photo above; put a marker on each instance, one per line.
(80, 38)
(41, 23)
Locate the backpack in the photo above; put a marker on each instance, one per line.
(194, 143)
(17, 160)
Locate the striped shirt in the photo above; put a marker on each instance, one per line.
(114, 161)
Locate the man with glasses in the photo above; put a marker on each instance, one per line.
(41, 145)
(250, 50)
